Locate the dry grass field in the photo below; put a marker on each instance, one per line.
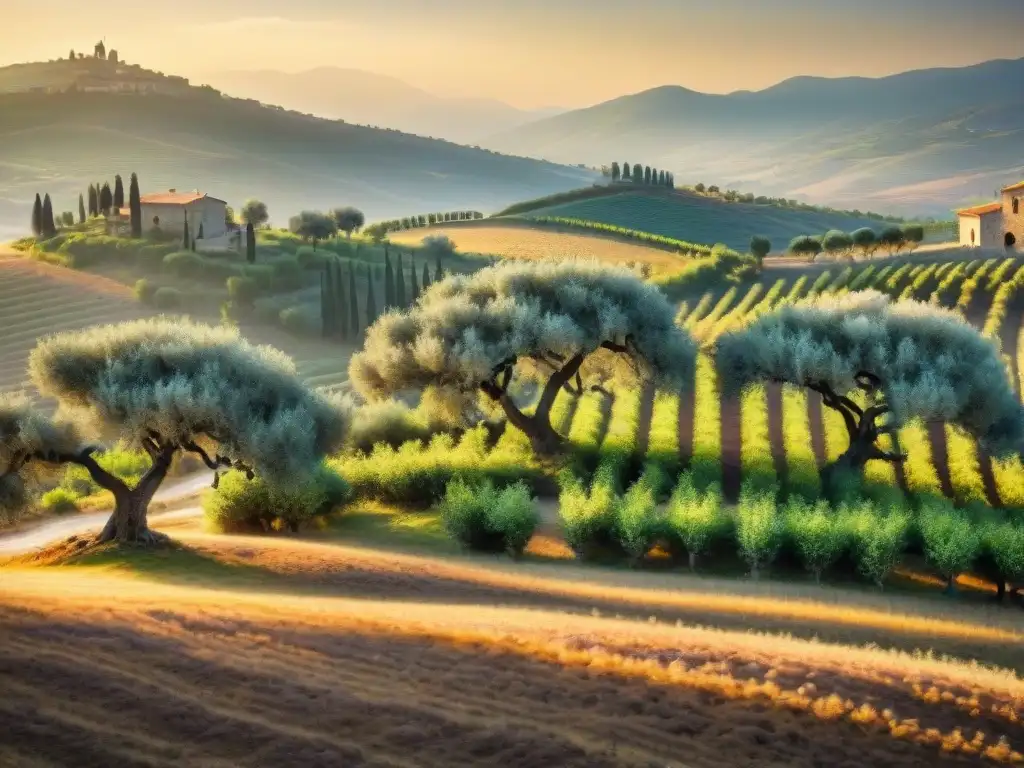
(519, 241)
(258, 652)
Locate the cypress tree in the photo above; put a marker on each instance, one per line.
(118, 192)
(325, 305)
(414, 288)
(647, 174)
(200, 235)
(638, 173)
(81, 209)
(37, 216)
(389, 282)
(135, 206)
(250, 243)
(425, 281)
(371, 304)
(94, 204)
(400, 285)
(106, 199)
(186, 241)
(353, 303)
(339, 300)
(438, 270)
(49, 228)
(193, 245)
(626, 171)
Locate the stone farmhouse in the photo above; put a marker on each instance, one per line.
(997, 224)
(168, 211)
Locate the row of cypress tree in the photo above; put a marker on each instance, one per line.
(339, 303)
(101, 201)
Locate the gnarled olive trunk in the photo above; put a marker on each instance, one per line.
(128, 523)
(864, 430)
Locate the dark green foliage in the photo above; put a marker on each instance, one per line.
(313, 226)
(250, 243)
(913, 234)
(400, 284)
(81, 210)
(626, 171)
(186, 241)
(326, 307)
(371, 302)
(414, 288)
(638, 173)
(106, 199)
(892, 239)
(37, 216)
(647, 174)
(167, 298)
(47, 223)
(94, 203)
(805, 245)
(200, 235)
(837, 242)
(348, 219)
(389, 282)
(616, 171)
(255, 212)
(135, 206)
(865, 240)
(144, 290)
(118, 193)
(425, 278)
(484, 518)
(353, 318)
(438, 271)
(760, 247)
(242, 291)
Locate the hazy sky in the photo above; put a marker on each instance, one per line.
(530, 53)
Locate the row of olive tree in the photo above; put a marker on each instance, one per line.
(571, 325)
(314, 226)
(165, 387)
(864, 241)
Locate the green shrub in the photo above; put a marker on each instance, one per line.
(638, 524)
(288, 275)
(1004, 542)
(262, 274)
(60, 500)
(589, 519)
(242, 290)
(144, 290)
(390, 422)
(483, 518)
(239, 504)
(879, 539)
(818, 533)
(184, 264)
(695, 518)
(151, 256)
(301, 320)
(308, 258)
(759, 528)
(951, 540)
(167, 298)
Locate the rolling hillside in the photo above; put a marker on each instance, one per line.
(704, 220)
(184, 137)
(915, 143)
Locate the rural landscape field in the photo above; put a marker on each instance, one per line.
(326, 443)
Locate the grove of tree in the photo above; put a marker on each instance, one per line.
(560, 324)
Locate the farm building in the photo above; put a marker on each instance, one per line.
(996, 224)
(169, 210)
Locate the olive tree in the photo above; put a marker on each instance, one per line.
(805, 245)
(911, 360)
(555, 323)
(837, 243)
(255, 212)
(313, 226)
(865, 240)
(348, 219)
(163, 386)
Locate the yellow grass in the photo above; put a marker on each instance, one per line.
(521, 242)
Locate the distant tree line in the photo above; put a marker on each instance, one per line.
(641, 174)
(381, 228)
(102, 201)
(339, 299)
(865, 241)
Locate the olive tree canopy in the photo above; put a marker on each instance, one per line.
(166, 386)
(556, 322)
(915, 360)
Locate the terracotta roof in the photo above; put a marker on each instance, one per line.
(981, 210)
(175, 198)
(1014, 187)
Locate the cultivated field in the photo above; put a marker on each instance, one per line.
(260, 652)
(520, 241)
(37, 299)
(699, 219)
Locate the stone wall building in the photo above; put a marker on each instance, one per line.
(999, 224)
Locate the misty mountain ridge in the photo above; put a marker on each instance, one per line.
(369, 98)
(916, 142)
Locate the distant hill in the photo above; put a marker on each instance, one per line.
(915, 143)
(367, 98)
(66, 124)
(694, 218)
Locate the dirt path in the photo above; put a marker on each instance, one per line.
(776, 434)
(686, 404)
(817, 428)
(940, 457)
(48, 531)
(732, 462)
